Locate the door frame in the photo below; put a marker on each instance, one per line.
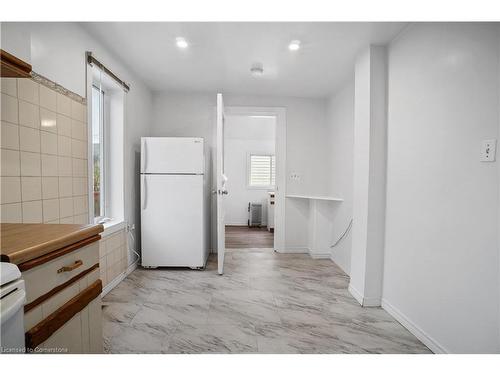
(280, 154)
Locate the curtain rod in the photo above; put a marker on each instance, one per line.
(92, 60)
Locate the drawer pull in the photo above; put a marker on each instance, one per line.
(74, 266)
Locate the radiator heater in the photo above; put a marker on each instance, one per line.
(254, 214)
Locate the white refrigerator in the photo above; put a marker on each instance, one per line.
(174, 215)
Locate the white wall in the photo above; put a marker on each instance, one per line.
(177, 114)
(369, 171)
(340, 119)
(245, 135)
(15, 39)
(57, 51)
(441, 254)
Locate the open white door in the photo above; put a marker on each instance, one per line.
(221, 186)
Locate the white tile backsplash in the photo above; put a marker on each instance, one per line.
(29, 114)
(49, 165)
(30, 164)
(80, 205)
(63, 125)
(79, 149)
(79, 186)
(50, 187)
(48, 120)
(66, 207)
(29, 139)
(78, 130)
(63, 105)
(27, 90)
(31, 188)
(10, 189)
(10, 136)
(113, 257)
(48, 98)
(48, 143)
(64, 145)
(78, 111)
(66, 220)
(11, 164)
(11, 213)
(32, 212)
(80, 219)
(80, 167)
(43, 155)
(9, 86)
(50, 209)
(65, 166)
(9, 108)
(65, 187)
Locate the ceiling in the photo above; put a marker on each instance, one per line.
(220, 54)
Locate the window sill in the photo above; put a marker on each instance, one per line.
(113, 226)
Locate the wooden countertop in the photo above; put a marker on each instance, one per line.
(20, 243)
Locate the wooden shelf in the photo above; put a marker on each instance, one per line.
(30, 243)
(317, 198)
(13, 67)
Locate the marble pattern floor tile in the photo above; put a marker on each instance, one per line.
(130, 339)
(213, 339)
(264, 303)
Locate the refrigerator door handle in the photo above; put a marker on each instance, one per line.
(144, 192)
(145, 152)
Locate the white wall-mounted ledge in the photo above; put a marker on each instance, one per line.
(314, 197)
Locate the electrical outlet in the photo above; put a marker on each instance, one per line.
(295, 176)
(488, 150)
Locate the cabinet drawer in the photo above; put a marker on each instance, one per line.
(75, 327)
(45, 277)
(48, 303)
(80, 334)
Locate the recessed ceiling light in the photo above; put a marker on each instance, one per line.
(294, 45)
(257, 69)
(181, 43)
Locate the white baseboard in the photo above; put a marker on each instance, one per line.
(372, 301)
(315, 255)
(356, 294)
(419, 333)
(332, 258)
(108, 288)
(362, 300)
(294, 250)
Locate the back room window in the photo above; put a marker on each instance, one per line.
(261, 171)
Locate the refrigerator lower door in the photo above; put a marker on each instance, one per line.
(172, 221)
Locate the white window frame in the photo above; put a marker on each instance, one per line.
(103, 163)
(114, 135)
(260, 187)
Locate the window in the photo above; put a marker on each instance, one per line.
(261, 171)
(106, 150)
(98, 153)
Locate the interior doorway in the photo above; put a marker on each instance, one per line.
(250, 165)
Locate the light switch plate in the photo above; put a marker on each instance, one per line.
(488, 150)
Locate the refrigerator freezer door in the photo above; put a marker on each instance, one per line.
(170, 155)
(172, 221)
